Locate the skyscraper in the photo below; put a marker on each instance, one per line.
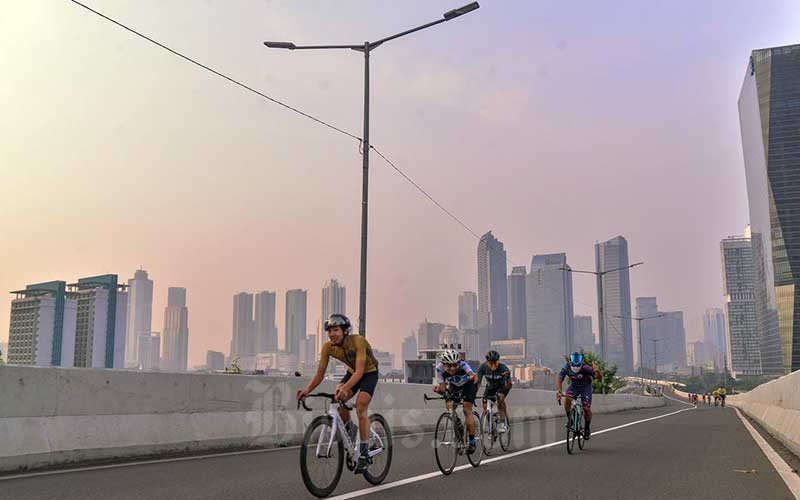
(215, 361)
(647, 307)
(100, 322)
(409, 348)
(492, 291)
(428, 335)
(517, 313)
(150, 351)
(296, 312)
(176, 331)
(42, 326)
(769, 115)
(673, 341)
(582, 335)
(467, 310)
(616, 334)
(743, 349)
(334, 301)
(266, 332)
(243, 340)
(714, 348)
(140, 314)
(550, 309)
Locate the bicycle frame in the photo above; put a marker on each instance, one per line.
(351, 447)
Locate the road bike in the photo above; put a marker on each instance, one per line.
(451, 438)
(490, 419)
(574, 423)
(327, 446)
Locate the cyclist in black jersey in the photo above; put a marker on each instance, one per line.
(498, 383)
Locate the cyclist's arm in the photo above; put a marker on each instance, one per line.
(481, 371)
(320, 375)
(468, 369)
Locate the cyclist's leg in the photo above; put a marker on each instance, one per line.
(366, 388)
(586, 398)
(469, 392)
(501, 402)
(344, 413)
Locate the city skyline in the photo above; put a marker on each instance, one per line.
(537, 108)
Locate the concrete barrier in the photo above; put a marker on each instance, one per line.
(53, 416)
(776, 406)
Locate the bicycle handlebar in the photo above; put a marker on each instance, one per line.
(325, 395)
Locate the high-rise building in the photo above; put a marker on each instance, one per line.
(647, 330)
(517, 313)
(100, 322)
(769, 117)
(467, 310)
(266, 332)
(582, 335)
(139, 314)
(743, 349)
(385, 361)
(471, 344)
(215, 361)
(176, 331)
(672, 348)
(409, 348)
(149, 351)
(334, 301)
(243, 340)
(428, 335)
(697, 354)
(296, 312)
(550, 309)
(450, 336)
(616, 334)
(42, 326)
(714, 347)
(492, 291)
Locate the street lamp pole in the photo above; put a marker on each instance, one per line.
(600, 305)
(639, 330)
(366, 48)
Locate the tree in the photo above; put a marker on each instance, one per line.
(610, 382)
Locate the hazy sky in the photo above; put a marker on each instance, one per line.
(554, 124)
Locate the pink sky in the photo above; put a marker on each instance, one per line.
(554, 126)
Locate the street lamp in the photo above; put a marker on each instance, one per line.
(601, 312)
(366, 47)
(639, 329)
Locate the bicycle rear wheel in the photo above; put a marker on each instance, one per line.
(505, 438)
(380, 439)
(321, 466)
(487, 433)
(445, 444)
(476, 456)
(579, 430)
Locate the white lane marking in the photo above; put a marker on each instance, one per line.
(789, 477)
(680, 401)
(429, 475)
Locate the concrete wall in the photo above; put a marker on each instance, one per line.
(51, 416)
(776, 406)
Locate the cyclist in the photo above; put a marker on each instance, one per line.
(580, 376)
(498, 383)
(455, 375)
(361, 377)
(722, 394)
(715, 395)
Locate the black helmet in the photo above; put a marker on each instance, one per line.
(492, 356)
(337, 319)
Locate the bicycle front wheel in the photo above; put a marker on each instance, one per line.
(445, 444)
(381, 445)
(321, 460)
(505, 438)
(571, 431)
(487, 433)
(476, 456)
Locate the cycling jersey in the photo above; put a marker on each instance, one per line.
(354, 347)
(495, 379)
(458, 379)
(581, 379)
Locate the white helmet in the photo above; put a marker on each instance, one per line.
(450, 357)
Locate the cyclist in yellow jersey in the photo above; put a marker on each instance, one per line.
(361, 377)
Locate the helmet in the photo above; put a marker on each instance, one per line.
(576, 359)
(492, 356)
(450, 357)
(337, 319)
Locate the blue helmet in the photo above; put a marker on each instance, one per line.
(576, 359)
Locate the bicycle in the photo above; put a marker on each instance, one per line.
(327, 439)
(451, 434)
(574, 423)
(489, 422)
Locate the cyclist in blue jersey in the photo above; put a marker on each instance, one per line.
(580, 377)
(455, 375)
